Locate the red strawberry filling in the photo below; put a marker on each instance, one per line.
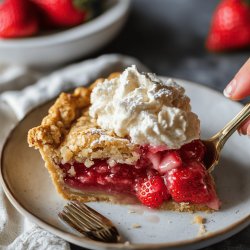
(159, 175)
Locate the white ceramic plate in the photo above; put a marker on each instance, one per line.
(29, 188)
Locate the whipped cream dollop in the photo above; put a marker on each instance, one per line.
(145, 109)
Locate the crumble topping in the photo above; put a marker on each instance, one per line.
(199, 219)
(72, 171)
(88, 163)
(69, 134)
(85, 142)
(135, 225)
(201, 222)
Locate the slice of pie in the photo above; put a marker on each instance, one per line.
(128, 138)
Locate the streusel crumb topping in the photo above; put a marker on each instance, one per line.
(69, 134)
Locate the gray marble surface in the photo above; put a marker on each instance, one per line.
(168, 36)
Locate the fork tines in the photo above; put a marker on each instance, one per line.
(89, 222)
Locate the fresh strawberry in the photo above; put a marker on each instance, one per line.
(61, 13)
(152, 191)
(17, 19)
(194, 150)
(230, 26)
(191, 183)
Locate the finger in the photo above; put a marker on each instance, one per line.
(245, 128)
(239, 87)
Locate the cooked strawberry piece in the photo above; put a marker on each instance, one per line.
(119, 178)
(155, 159)
(170, 160)
(153, 179)
(191, 183)
(103, 169)
(165, 160)
(155, 149)
(152, 191)
(194, 151)
(143, 162)
(88, 177)
(151, 173)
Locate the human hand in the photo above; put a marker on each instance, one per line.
(239, 88)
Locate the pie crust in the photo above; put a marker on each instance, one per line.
(69, 134)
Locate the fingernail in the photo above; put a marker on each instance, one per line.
(248, 130)
(228, 91)
(239, 131)
(245, 131)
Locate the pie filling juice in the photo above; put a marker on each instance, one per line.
(158, 176)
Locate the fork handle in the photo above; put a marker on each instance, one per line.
(223, 135)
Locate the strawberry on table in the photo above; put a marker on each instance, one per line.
(230, 26)
(62, 13)
(17, 19)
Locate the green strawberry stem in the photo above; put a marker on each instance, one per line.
(246, 2)
(92, 7)
(85, 4)
(80, 4)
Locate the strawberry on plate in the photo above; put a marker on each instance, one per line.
(61, 13)
(230, 26)
(17, 19)
(191, 183)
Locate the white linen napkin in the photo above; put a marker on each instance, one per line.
(17, 232)
(75, 75)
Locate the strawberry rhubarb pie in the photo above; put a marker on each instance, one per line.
(128, 138)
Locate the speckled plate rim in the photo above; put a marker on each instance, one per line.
(195, 243)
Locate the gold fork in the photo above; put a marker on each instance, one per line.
(215, 144)
(89, 222)
(95, 226)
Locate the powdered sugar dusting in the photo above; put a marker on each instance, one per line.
(144, 108)
(104, 138)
